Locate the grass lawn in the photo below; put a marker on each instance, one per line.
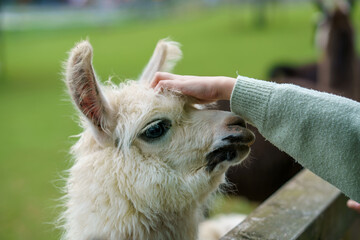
(37, 119)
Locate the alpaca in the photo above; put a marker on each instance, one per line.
(146, 162)
(337, 69)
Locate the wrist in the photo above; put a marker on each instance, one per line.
(226, 87)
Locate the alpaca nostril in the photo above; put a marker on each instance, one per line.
(246, 138)
(236, 122)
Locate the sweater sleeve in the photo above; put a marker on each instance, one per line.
(319, 130)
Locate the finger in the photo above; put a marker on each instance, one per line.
(173, 85)
(161, 76)
(353, 205)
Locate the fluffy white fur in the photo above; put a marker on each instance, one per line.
(123, 187)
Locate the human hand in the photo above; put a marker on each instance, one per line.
(353, 205)
(204, 89)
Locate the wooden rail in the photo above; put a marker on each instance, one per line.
(307, 207)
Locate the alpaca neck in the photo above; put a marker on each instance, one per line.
(338, 69)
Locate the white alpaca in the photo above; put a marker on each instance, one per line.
(146, 162)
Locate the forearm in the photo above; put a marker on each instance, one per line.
(321, 131)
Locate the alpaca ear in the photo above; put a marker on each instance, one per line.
(85, 90)
(321, 7)
(164, 58)
(344, 6)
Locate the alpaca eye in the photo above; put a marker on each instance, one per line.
(156, 130)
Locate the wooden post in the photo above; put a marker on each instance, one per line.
(306, 207)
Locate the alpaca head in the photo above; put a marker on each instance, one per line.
(155, 152)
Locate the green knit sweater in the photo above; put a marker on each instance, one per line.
(320, 130)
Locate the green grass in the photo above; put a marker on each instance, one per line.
(36, 122)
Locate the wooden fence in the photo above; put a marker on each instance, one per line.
(306, 207)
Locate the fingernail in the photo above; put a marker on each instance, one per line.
(157, 89)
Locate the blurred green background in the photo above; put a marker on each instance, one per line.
(37, 119)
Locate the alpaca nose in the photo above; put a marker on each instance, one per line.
(239, 134)
(235, 122)
(245, 137)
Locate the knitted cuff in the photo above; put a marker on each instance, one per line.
(250, 98)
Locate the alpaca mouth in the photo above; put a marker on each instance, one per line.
(231, 153)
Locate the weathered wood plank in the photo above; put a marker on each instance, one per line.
(307, 207)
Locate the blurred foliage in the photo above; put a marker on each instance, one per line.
(37, 119)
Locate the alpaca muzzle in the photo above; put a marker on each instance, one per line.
(232, 148)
